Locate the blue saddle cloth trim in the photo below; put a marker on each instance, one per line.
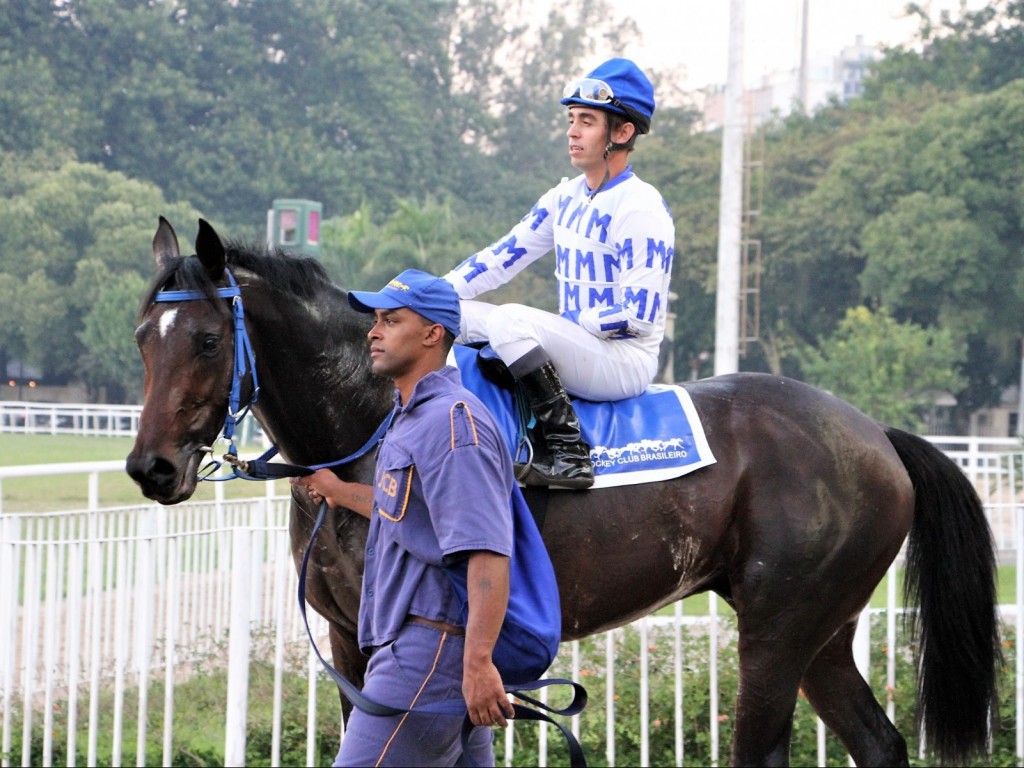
(656, 436)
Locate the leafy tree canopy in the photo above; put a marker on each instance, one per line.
(892, 371)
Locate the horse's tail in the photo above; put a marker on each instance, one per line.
(951, 575)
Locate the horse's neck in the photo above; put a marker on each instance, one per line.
(318, 399)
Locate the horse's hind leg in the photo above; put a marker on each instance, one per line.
(778, 653)
(834, 687)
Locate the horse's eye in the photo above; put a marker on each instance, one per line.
(209, 345)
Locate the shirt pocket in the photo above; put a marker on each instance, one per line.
(394, 485)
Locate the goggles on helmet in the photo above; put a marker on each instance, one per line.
(591, 90)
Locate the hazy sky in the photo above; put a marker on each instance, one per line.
(695, 33)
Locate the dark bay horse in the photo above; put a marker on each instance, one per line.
(796, 524)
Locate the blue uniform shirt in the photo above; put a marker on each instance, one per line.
(441, 488)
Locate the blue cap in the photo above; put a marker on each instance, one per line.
(428, 296)
(632, 90)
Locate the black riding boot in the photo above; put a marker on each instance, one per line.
(564, 459)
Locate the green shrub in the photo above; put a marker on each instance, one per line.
(696, 703)
(199, 709)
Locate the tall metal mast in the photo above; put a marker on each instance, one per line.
(727, 323)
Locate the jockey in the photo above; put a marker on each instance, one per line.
(613, 240)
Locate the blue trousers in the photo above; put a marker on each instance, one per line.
(422, 665)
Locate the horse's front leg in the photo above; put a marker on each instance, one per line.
(770, 672)
(348, 660)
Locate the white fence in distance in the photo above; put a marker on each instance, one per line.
(74, 620)
(63, 419)
(28, 418)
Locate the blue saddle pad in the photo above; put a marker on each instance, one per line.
(656, 436)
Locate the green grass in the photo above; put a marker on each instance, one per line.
(48, 494)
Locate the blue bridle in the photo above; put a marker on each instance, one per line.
(245, 361)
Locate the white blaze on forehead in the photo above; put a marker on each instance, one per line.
(167, 322)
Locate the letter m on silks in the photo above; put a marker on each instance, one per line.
(657, 249)
(638, 299)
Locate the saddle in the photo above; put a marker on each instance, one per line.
(655, 436)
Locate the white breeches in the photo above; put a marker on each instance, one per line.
(589, 367)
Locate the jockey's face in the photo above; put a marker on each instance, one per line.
(588, 136)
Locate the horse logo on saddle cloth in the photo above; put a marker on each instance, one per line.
(645, 439)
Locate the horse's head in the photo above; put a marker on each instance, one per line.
(187, 353)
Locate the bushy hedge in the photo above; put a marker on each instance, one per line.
(199, 710)
(696, 703)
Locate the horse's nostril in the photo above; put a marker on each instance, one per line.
(150, 470)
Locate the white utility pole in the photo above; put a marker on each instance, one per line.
(804, 90)
(730, 207)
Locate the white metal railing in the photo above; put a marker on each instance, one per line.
(64, 419)
(89, 420)
(117, 598)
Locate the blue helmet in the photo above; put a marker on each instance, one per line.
(619, 86)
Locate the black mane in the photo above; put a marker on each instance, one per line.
(301, 276)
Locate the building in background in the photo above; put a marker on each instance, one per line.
(777, 94)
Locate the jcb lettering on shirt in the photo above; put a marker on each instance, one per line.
(388, 484)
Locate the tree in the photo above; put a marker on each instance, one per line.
(111, 359)
(366, 249)
(70, 234)
(891, 371)
(927, 259)
(977, 52)
(918, 213)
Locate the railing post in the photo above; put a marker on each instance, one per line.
(862, 644)
(10, 562)
(94, 491)
(239, 641)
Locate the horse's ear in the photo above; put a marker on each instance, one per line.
(210, 250)
(165, 243)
